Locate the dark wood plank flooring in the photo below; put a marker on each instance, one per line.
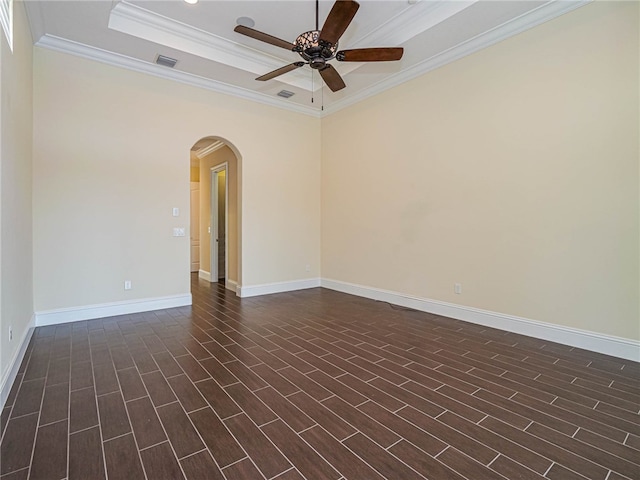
(318, 385)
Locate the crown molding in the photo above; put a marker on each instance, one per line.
(58, 44)
(203, 152)
(530, 19)
(412, 21)
(35, 19)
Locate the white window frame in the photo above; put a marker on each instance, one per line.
(6, 19)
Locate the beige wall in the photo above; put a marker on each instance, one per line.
(513, 171)
(111, 159)
(16, 279)
(214, 159)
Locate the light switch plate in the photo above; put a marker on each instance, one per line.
(176, 211)
(178, 231)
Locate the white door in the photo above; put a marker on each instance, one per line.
(195, 226)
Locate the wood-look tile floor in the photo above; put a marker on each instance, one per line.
(318, 385)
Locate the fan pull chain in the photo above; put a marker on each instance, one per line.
(312, 91)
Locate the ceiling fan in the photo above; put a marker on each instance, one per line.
(318, 47)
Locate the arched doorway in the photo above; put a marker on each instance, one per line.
(215, 211)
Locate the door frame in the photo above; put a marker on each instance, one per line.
(213, 237)
(194, 206)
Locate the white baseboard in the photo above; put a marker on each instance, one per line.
(14, 364)
(231, 285)
(597, 342)
(280, 287)
(204, 275)
(88, 312)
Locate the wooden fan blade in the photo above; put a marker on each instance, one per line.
(263, 37)
(370, 54)
(280, 71)
(338, 20)
(332, 78)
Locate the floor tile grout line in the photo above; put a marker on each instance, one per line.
(527, 366)
(144, 470)
(69, 410)
(233, 463)
(561, 447)
(195, 428)
(35, 436)
(260, 429)
(481, 426)
(580, 426)
(164, 430)
(494, 459)
(282, 473)
(95, 396)
(384, 449)
(301, 438)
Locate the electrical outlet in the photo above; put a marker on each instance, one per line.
(307, 268)
(457, 288)
(127, 284)
(10, 333)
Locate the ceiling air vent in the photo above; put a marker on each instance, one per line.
(285, 94)
(166, 61)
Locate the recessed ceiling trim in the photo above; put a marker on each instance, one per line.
(36, 20)
(142, 23)
(412, 21)
(58, 44)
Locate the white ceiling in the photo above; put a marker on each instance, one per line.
(131, 33)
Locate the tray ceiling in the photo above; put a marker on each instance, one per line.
(132, 33)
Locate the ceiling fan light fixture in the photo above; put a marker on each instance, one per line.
(191, 2)
(318, 47)
(309, 46)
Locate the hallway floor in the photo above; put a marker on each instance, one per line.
(313, 385)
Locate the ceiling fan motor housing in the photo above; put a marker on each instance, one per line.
(313, 50)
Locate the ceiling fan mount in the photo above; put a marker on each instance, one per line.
(318, 47)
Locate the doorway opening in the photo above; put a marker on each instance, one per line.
(215, 212)
(218, 231)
